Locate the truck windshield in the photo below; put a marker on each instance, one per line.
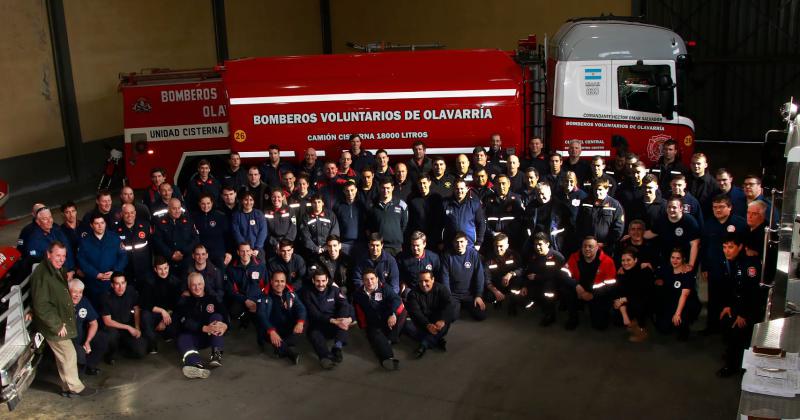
(638, 89)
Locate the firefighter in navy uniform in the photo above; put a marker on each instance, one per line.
(135, 236)
(552, 217)
(743, 302)
(175, 235)
(316, 226)
(547, 281)
(245, 277)
(290, 263)
(200, 324)
(602, 217)
(281, 317)
(338, 265)
(329, 318)
(503, 274)
(202, 183)
(416, 260)
(462, 273)
(381, 313)
(504, 212)
(214, 231)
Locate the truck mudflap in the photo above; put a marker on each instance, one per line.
(20, 351)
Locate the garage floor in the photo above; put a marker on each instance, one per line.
(503, 368)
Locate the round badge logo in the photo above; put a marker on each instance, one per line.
(82, 313)
(385, 274)
(141, 235)
(467, 265)
(576, 202)
(751, 271)
(687, 140)
(253, 222)
(731, 228)
(210, 308)
(678, 232)
(429, 267)
(240, 136)
(677, 284)
(212, 223)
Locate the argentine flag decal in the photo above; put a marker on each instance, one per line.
(592, 74)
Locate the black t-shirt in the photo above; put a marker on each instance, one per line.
(120, 307)
(588, 270)
(677, 235)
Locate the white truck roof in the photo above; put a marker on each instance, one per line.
(584, 40)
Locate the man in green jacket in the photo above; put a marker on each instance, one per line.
(54, 317)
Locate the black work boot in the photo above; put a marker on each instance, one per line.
(216, 358)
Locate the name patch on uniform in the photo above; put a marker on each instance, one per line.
(330, 300)
(549, 263)
(397, 209)
(122, 237)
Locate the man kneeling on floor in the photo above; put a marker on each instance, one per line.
(431, 311)
(329, 317)
(382, 314)
(122, 320)
(200, 324)
(281, 317)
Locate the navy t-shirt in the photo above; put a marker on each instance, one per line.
(84, 314)
(677, 235)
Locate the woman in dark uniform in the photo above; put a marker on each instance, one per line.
(679, 304)
(635, 288)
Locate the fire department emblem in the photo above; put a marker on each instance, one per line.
(142, 105)
(678, 232)
(677, 284)
(212, 223)
(141, 235)
(751, 271)
(82, 313)
(731, 228)
(654, 145)
(467, 265)
(429, 267)
(210, 308)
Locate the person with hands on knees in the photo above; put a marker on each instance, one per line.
(547, 281)
(430, 309)
(90, 343)
(595, 278)
(122, 320)
(329, 318)
(201, 325)
(245, 278)
(503, 274)
(281, 317)
(160, 293)
(381, 313)
(679, 305)
(635, 288)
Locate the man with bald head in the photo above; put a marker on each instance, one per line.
(312, 166)
(515, 175)
(175, 235)
(135, 234)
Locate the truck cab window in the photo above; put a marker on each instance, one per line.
(638, 87)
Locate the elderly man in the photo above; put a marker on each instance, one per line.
(100, 254)
(201, 324)
(311, 166)
(34, 242)
(54, 317)
(90, 342)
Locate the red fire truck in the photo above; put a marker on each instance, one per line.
(603, 82)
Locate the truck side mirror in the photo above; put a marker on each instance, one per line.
(666, 96)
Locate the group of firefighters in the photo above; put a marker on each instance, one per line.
(401, 247)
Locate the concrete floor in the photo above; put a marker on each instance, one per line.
(504, 368)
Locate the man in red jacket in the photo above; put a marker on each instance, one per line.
(594, 275)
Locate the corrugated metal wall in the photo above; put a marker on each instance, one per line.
(746, 61)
